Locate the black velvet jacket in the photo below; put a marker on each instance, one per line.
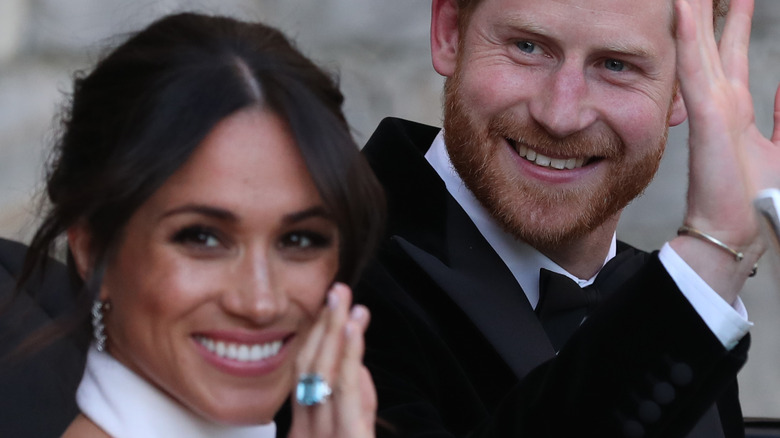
(37, 392)
(455, 348)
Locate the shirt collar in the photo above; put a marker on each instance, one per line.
(523, 260)
(125, 405)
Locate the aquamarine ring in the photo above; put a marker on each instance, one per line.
(312, 390)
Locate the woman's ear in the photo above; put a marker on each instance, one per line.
(80, 245)
(79, 242)
(444, 36)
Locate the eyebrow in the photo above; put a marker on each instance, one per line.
(316, 211)
(226, 215)
(628, 49)
(205, 210)
(522, 23)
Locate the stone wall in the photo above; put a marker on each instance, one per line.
(380, 49)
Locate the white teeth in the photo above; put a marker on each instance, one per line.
(240, 352)
(522, 150)
(557, 163)
(542, 160)
(243, 353)
(545, 161)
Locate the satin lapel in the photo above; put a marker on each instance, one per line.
(430, 227)
(709, 426)
(476, 279)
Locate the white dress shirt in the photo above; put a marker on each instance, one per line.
(729, 324)
(125, 405)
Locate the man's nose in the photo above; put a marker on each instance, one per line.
(562, 104)
(255, 293)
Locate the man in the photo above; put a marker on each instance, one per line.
(556, 114)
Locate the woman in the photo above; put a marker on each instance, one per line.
(211, 195)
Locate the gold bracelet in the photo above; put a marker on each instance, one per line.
(693, 232)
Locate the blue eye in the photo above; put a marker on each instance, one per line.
(614, 65)
(526, 46)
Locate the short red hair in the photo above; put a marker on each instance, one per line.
(467, 7)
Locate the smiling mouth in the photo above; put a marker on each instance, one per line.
(241, 352)
(549, 162)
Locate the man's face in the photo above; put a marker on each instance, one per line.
(556, 111)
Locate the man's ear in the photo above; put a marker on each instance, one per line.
(79, 242)
(678, 112)
(444, 36)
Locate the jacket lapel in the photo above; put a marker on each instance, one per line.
(430, 227)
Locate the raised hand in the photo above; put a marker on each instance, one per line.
(729, 157)
(333, 352)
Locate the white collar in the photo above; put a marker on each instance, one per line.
(521, 258)
(125, 405)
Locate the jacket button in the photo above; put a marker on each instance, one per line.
(681, 374)
(633, 429)
(649, 412)
(663, 393)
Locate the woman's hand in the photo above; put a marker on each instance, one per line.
(334, 352)
(729, 157)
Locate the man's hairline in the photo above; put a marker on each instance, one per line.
(466, 9)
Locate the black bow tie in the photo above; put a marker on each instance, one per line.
(563, 305)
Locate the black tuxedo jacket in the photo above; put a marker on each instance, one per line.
(37, 392)
(455, 348)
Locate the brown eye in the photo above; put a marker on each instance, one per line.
(197, 236)
(304, 240)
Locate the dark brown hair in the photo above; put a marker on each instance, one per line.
(146, 106)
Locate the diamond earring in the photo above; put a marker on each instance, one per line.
(98, 328)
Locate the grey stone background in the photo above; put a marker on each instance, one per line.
(381, 51)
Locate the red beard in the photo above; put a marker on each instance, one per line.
(544, 216)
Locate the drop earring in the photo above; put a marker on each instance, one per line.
(98, 328)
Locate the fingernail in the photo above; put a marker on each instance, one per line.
(357, 312)
(333, 300)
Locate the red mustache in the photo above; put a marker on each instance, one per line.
(601, 144)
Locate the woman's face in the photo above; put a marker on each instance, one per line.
(222, 271)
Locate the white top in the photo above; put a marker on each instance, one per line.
(729, 324)
(125, 405)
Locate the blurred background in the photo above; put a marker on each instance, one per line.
(381, 53)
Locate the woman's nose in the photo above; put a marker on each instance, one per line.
(255, 292)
